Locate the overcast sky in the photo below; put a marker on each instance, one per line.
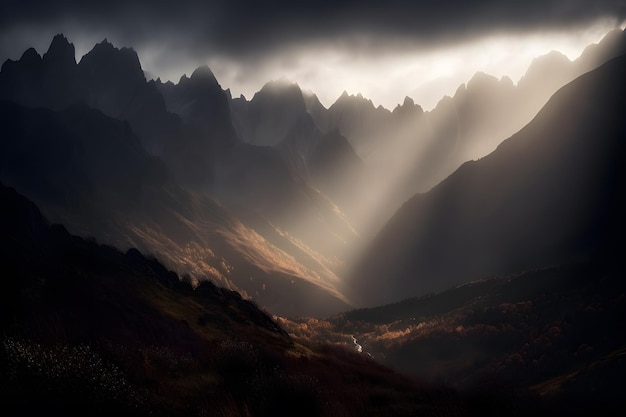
(382, 49)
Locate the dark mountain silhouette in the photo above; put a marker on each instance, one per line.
(87, 328)
(108, 79)
(117, 86)
(550, 193)
(50, 81)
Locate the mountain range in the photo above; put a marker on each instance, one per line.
(169, 249)
(307, 186)
(91, 171)
(423, 147)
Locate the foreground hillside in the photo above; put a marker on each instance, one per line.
(86, 328)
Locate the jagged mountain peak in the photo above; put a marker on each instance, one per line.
(201, 85)
(30, 56)
(612, 45)
(280, 88)
(447, 100)
(611, 40)
(106, 58)
(546, 62)
(106, 46)
(281, 84)
(481, 78)
(481, 83)
(203, 75)
(408, 106)
(59, 40)
(352, 99)
(552, 55)
(60, 50)
(103, 45)
(273, 110)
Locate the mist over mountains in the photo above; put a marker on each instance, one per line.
(229, 219)
(558, 197)
(202, 154)
(309, 185)
(422, 147)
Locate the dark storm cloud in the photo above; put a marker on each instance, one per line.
(326, 47)
(243, 26)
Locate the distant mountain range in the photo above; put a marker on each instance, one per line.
(408, 150)
(107, 79)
